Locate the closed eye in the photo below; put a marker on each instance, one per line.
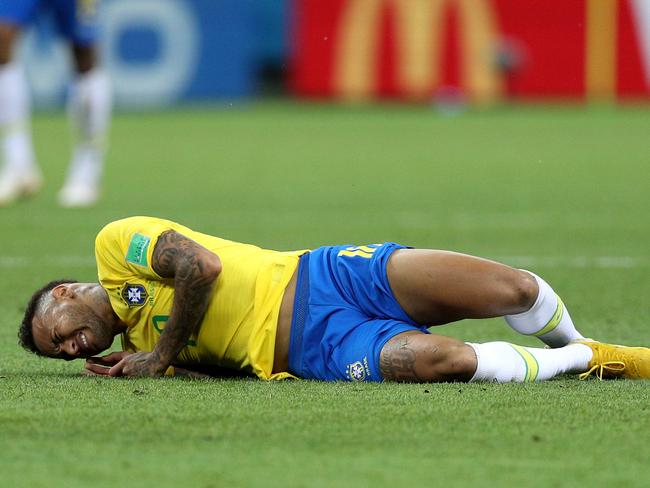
(56, 340)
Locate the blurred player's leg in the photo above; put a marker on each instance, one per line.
(19, 175)
(89, 103)
(437, 287)
(89, 109)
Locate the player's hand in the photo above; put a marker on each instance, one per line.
(144, 364)
(100, 365)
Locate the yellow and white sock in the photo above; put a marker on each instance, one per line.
(548, 319)
(503, 362)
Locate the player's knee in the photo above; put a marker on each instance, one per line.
(84, 58)
(522, 291)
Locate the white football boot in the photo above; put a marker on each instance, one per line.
(81, 188)
(16, 184)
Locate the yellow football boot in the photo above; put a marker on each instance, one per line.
(613, 361)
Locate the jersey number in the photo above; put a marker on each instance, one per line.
(359, 251)
(159, 322)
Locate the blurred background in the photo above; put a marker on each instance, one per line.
(448, 52)
(512, 130)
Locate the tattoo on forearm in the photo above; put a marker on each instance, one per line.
(397, 361)
(175, 256)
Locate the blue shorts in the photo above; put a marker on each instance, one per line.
(344, 313)
(75, 19)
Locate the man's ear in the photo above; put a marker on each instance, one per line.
(63, 290)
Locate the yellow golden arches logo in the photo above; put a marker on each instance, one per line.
(419, 27)
(600, 39)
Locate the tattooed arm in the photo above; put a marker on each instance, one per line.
(194, 270)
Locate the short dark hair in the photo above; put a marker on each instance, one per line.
(25, 332)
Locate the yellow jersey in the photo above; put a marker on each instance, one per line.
(239, 327)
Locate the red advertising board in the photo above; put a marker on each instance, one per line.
(487, 49)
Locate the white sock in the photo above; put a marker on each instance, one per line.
(547, 319)
(17, 147)
(90, 111)
(503, 362)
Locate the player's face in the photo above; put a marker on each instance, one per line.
(70, 328)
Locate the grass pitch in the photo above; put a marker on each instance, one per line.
(561, 191)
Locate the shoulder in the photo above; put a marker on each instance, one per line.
(132, 235)
(129, 223)
(127, 227)
(126, 246)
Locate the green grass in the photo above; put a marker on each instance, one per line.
(561, 191)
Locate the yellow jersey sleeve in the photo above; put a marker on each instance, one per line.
(125, 248)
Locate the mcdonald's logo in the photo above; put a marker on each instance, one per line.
(600, 62)
(419, 27)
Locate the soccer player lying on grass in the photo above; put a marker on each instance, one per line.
(184, 299)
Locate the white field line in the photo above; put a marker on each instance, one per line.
(578, 262)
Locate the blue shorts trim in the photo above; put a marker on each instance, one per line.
(344, 313)
(300, 307)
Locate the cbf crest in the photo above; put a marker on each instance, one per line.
(358, 371)
(135, 295)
